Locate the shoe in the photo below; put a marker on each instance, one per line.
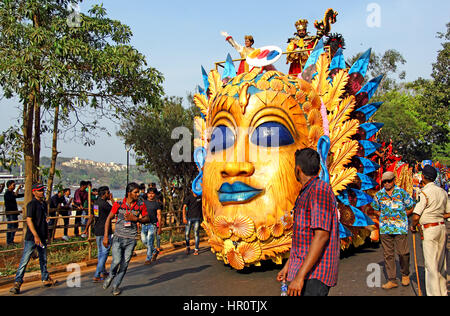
(116, 291)
(389, 285)
(155, 255)
(65, 238)
(96, 280)
(83, 235)
(405, 280)
(188, 250)
(49, 282)
(104, 275)
(107, 283)
(195, 252)
(147, 262)
(16, 289)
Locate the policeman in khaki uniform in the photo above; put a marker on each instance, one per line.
(431, 212)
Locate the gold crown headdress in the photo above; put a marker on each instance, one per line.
(301, 24)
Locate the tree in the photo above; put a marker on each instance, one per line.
(403, 125)
(150, 134)
(416, 115)
(51, 65)
(10, 150)
(434, 102)
(386, 64)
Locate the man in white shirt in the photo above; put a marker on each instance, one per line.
(431, 212)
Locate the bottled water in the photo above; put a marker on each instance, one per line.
(284, 288)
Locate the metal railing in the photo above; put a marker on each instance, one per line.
(169, 219)
(327, 49)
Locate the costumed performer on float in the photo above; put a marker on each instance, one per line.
(301, 45)
(244, 51)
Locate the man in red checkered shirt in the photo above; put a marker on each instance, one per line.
(312, 267)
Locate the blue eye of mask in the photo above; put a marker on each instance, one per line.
(272, 134)
(221, 138)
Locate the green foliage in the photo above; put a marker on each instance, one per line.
(47, 63)
(403, 125)
(10, 149)
(150, 134)
(387, 65)
(416, 115)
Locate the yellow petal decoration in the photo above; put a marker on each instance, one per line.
(228, 246)
(340, 180)
(201, 102)
(222, 227)
(343, 156)
(243, 226)
(277, 230)
(250, 252)
(276, 85)
(215, 83)
(235, 259)
(342, 113)
(320, 82)
(343, 134)
(263, 233)
(333, 98)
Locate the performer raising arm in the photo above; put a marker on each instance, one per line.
(243, 51)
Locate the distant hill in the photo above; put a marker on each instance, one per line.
(73, 170)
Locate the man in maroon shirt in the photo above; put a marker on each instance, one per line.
(312, 267)
(79, 198)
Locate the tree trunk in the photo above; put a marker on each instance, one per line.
(54, 153)
(37, 117)
(28, 147)
(37, 140)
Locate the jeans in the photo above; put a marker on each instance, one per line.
(148, 234)
(84, 220)
(158, 240)
(196, 223)
(122, 251)
(102, 256)
(76, 229)
(10, 235)
(314, 287)
(27, 252)
(66, 221)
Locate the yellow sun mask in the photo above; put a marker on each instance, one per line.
(246, 139)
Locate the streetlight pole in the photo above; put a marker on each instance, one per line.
(128, 148)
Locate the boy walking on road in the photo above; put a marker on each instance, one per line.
(35, 238)
(128, 213)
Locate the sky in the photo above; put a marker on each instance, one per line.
(178, 37)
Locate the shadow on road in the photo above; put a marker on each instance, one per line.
(168, 276)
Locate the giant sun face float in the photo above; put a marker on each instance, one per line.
(247, 136)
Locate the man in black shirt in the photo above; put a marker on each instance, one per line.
(56, 203)
(101, 211)
(35, 238)
(192, 216)
(150, 231)
(11, 209)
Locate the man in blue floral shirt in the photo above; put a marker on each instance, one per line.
(393, 205)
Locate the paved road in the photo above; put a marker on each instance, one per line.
(176, 274)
